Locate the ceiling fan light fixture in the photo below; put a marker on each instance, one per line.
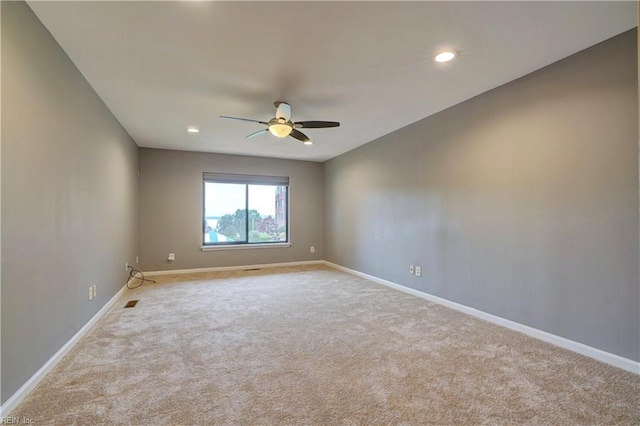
(280, 130)
(307, 143)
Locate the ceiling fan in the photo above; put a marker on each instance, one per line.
(281, 125)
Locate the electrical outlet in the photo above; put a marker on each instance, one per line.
(172, 256)
(90, 292)
(137, 261)
(411, 269)
(95, 290)
(312, 249)
(418, 271)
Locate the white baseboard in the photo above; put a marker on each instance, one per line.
(600, 355)
(233, 268)
(28, 386)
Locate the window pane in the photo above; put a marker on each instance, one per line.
(267, 213)
(225, 212)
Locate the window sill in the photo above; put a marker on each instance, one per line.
(244, 246)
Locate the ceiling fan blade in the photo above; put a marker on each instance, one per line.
(243, 119)
(316, 124)
(283, 110)
(299, 135)
(258, 133)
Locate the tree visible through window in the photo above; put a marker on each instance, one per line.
(244, 209)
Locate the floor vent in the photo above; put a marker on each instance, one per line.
(131, 304)
(253, 269)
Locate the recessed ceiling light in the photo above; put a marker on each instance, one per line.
(445, 56)
(193, 130)
(307, 143)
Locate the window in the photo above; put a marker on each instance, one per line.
(244, 209)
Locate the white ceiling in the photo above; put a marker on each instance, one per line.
(163, 66)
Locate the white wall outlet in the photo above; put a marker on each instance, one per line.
(126, 266)
(411, 269)
(172, 256)
(137, 261)
(95, 290)
(90, 292)
(312, 249)
(418, 271)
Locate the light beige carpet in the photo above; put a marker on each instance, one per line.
(311, 345)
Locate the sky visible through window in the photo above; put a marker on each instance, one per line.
(261, 198)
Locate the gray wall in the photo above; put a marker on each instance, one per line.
(521, 202)
(69, 196)
(171, 209)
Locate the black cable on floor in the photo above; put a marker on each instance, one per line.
(134, 273)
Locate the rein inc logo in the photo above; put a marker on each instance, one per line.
(16, 421)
